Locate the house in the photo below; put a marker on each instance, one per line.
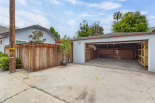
(125, 46)
(22, 34)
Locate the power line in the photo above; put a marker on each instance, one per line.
(54, 12)
(3, 17)
(33, 12)
(50, 16)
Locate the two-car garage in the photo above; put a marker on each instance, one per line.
(118, 54)
(129, 49)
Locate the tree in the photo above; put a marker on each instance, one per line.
(84, 30)
(96, 30)
(117, 15)
(36, 35)
(131, 22)
(65, 46)
(54, 32)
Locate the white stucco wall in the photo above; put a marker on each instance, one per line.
(79, 48)
(23, 35)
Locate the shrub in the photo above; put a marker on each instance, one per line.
(4, 63)
(3, 55)
(18, 63)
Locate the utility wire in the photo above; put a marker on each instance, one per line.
(54, 12)
(51, 19)
(33, 12)
(3, 16)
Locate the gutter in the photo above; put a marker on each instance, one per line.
(113, 36)
(3, 37)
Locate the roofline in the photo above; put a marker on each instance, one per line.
(2, 26)
(113, 36)
(3, 37)
(29, 27)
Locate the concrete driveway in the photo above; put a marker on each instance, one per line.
(91, 84)
(13, 90)
(79, 84)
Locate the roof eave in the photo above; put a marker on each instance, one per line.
(112, 36)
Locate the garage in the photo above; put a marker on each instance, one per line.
(117, 50)
(126, 54)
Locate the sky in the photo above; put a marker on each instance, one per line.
(66, 15)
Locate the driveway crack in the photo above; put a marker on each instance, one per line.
(37, 89)
(150, 94)
(15, 94)
(50, 94)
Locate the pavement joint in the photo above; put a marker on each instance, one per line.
(37, 89)
(50, 94)
(15, 94)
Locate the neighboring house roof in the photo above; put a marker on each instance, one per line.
(112, 35)
(3, 29)
(6, 34)
(151, 29)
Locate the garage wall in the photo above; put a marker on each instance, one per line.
(79, 47)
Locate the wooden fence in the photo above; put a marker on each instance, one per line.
(90, 54)
(39, 56)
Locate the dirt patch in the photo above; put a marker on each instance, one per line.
(23, 76)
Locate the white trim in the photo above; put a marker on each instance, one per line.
(2, 41)
(21, 40)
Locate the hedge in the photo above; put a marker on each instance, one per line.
(4, 62)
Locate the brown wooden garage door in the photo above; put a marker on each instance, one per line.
(116, 54)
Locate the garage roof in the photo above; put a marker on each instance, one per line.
(112, 35)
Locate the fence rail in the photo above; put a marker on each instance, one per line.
(39, 56)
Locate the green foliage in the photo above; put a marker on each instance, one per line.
(65, 46)
(131, 22)
(117, 15)
(96, 30)
(55, 33)
(84, 30)
(3, 55)
(36, 35)
(18, 63)
(4, 62)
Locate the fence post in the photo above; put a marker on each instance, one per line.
(56, 54)
(19, 51)
(33, 56)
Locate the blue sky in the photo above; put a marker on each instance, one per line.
(66, 15)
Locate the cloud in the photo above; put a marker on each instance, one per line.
(151, 17)
(69, 13)
(75, 2)
(143, 12)
(33, 19)
(71, 22)
(107, 19)
(55, 2)
(36, 2)
(85, 14)
(61, 27)
(23, 2)
(108, 5)
(125, 11)
(121, 0)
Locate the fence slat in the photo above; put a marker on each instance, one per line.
(39, 56)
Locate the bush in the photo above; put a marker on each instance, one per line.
(4, 63)
(3, 55)
(18, 63)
